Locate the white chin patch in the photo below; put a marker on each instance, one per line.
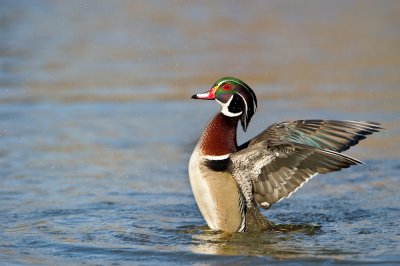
(225, 109)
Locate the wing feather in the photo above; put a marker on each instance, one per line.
(282, 158)
(323, 134)
(287, 168)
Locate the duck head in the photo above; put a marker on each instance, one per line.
(236, 98)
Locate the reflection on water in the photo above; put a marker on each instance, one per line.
(96, 127)
(270, 243)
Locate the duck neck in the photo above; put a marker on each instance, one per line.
(219, 137)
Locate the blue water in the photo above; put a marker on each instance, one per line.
(101, 186)
(97, 127)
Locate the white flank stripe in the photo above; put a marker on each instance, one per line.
(217, 157)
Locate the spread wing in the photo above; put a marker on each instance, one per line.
(267, 173)
(332, 135)
(283, 157)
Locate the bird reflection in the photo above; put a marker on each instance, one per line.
(281, 242)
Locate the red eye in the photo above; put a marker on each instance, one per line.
(226, 87)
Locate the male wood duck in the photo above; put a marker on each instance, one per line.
(230, 182)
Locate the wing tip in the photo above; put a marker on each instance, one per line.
(371, 125)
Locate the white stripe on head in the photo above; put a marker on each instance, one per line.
(244, 86)
(245, 103)
(237, 82)
(225, 109)
(244, 121)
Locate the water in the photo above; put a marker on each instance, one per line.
(97, 126)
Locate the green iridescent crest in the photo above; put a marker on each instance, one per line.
(238, 97)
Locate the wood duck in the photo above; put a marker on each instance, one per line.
(230, 182)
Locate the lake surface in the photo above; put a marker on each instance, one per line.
(97, 127)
